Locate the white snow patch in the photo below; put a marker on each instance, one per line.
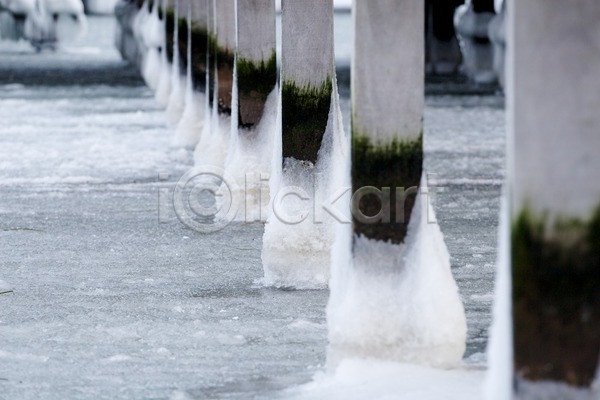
(304, 325)
(117, 358)
(5, 287)
(380, 380)
(5, 355)
(231, 340)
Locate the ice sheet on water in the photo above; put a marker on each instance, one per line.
(4, 287)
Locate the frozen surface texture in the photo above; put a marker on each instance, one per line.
(111, 304)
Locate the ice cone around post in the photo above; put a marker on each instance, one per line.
(256, 58)
(554, 167)
(393, 295)
(296, 245)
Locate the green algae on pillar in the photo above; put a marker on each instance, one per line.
(306, 75)
(556, 298)
(555, 196)
(396, 166)
(387, 113)
(305, 114)
(256, 63)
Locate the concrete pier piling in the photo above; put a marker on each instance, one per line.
(224, 52)
(307, 73)
(256, 58)
(553, 102)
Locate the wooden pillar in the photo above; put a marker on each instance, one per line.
(554, 124)
(256, 58)
(224, 52)
(307, 73)
(387, 110)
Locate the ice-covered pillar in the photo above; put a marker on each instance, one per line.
(387, 109)
(471, 22)
(199, 37)
(553, 102)
(297, 242)
(307, 73)
(200, 41)
(256, 59)
(442, 56)
(224, 52)
(392, 292)
(167, 14)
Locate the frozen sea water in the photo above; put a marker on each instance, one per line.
(111, 303)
